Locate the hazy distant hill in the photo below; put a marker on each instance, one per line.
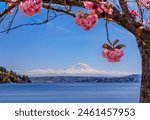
(84, 79)
(11, 77)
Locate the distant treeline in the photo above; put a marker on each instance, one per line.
(83, 79)
(11, 77)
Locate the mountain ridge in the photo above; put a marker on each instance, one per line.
(85, 79)
(80, 69)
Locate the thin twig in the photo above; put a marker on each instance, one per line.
(29, 24)
(107, 32)
(11, 22)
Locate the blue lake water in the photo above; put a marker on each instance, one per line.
(63, 93)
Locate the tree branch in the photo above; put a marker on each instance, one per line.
(59, 10)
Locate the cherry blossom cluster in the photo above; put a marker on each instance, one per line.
(113, 52)
(102, 7)
(31, 7)
(113, 55)
(86, 21)
(134, 13)
(145, 3)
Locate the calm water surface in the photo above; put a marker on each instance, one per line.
(56, 93)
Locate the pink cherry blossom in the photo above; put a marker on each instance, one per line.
(31, 7)
(86, 21)
(89, 5)
(102, 7)
(134, 13)
(113, 55)
(145, 3)
(108, 7)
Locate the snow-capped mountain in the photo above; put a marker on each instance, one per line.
(80, 69)
(81, 66)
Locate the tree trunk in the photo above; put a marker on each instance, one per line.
(145, 82)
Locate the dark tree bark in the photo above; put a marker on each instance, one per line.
(142, 35)
(145, 81)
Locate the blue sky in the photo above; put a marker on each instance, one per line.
(61, 44)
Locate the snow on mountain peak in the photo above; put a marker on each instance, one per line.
(81, 66)
(78, 69)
